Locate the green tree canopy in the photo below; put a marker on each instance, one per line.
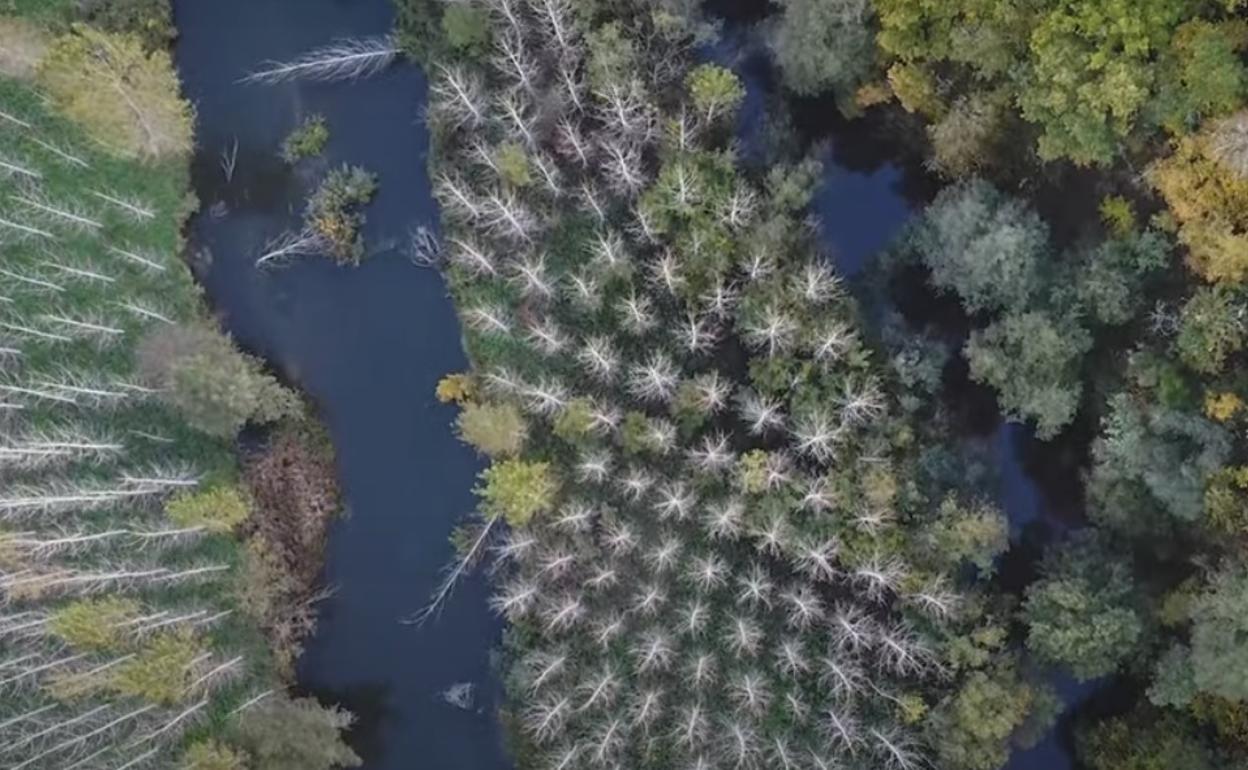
(612, 56)
(1163, 453)
(983, 245)
(215, 387)
(496, 430)
(1219, 638)
(1032, 360)
(1091, 73)
(1110, 278)
(987, 36)
(716, 92)
(1081, 613)
(94, 624)
(123, 95)
(1144, 740)
(1212, 328)
(467, 28)
(823, 45)
(296, 734)
(517, 490)
(973, 729)
(976, 533)
(1202, 74)
(161, 670)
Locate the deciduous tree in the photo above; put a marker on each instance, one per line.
(716, 92)
(123, 95)
(1144, 740)
(983, 245)
(1091, 74)
(217, 388)
(823, 45)
(1219, 638)
(1206, 187)
(517, 490)
(496, 429)
(1212, 328)
(974, 728)
(297, 734)
(1033, 361)
(1081, 613)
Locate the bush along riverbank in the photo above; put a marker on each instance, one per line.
(716, 538)
(152, 591)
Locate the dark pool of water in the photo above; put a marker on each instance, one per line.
(368, 345)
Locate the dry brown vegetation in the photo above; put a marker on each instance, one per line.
(295, 495)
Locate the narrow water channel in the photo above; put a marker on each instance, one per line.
(368, 345)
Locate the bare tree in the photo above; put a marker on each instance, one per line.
(289, 245)
(459, 96)
(343, 60)
(459, 567)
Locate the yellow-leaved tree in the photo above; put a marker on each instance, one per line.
(1205, 183)
(124, 96)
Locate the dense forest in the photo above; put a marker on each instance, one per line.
(737, 529)
(729, 513)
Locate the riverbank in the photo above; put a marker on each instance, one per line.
(146, 575)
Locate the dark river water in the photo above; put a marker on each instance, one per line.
(369, 344)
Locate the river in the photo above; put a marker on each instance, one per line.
(368, 345)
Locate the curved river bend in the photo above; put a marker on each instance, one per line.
(369, 344)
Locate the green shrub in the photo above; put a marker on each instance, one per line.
(752, 471)
(496, 430)
(299, 734)
(307, 140)
(467, 29)
(513, 165)
(94, 624)
(161, 671)
(212, 755)
(518, 490)
(334, 211)
(219, 509)
(215, 387)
